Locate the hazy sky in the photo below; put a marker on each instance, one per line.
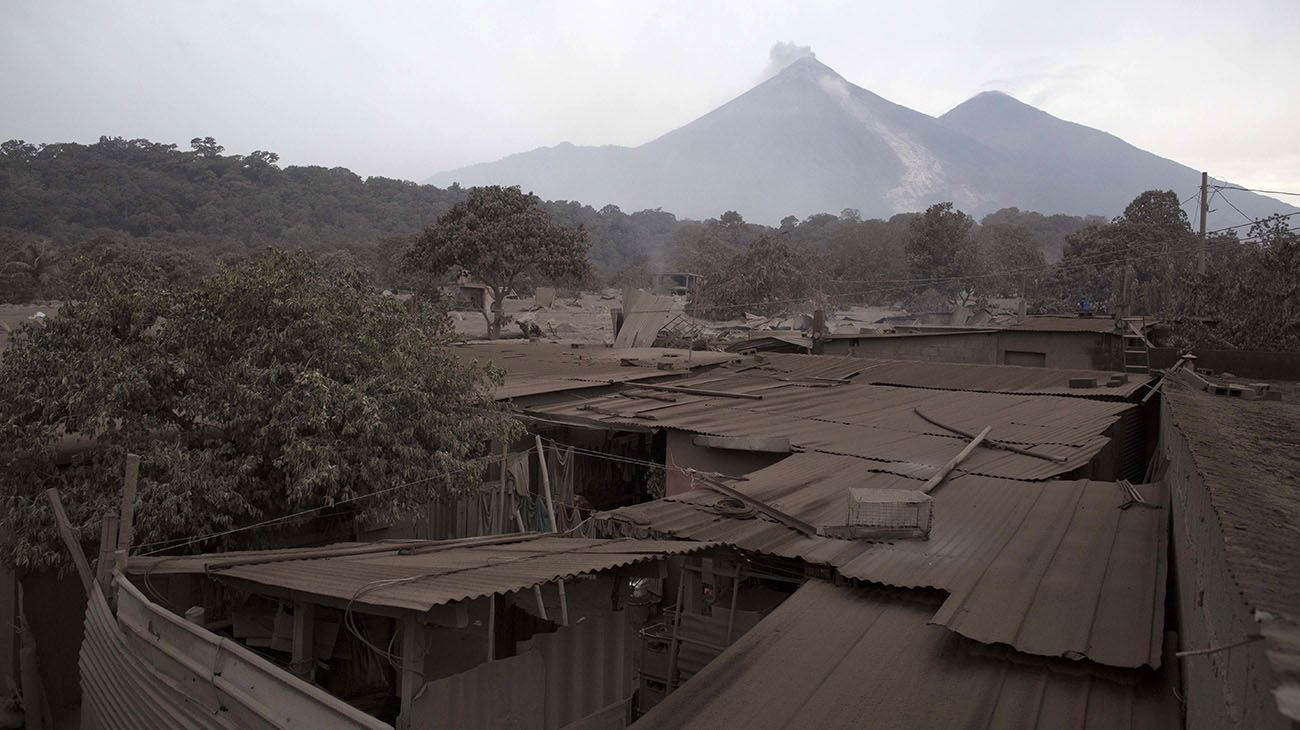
(406, 89)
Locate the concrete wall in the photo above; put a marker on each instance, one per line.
(1067, 350)
(964, 347)
(683, 454)
(1242, 363)
(1227, 689)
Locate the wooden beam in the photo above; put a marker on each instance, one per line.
(790, 521)
(990, 442)
(492, 627)
(550, 510)
(938, 478)
(699, 391)
(304, 624)
(537, 589)
(126, 530)
(564, 604)
(546, 481)
(107, 549)
(412, 664)
(70, 540)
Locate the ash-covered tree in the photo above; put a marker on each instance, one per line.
(941, 252)
(269, 388)
(1135, 262)
(1010, 260)
(1249, 298)
(769, 277)
(502, 237)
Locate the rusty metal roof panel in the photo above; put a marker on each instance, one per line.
(422, 580)
(1052, 568)
(536, 368)
(868, 421)
(838, 656)
(954, 376)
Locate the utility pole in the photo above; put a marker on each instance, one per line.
(1205, 209)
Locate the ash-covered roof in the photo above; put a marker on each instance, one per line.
(424, 573)
(535, 368)
(838, 656)
(958, 376)
(1052, 568)
(820, 405)
(1248, 455)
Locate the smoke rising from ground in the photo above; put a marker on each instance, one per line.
(784, 54)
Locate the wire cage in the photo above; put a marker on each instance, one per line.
(884, 512)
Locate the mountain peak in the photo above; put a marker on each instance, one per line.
(993, 99)
(808, 66)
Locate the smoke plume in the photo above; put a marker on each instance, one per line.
(784, 54)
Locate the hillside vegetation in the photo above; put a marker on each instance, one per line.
(144, 206)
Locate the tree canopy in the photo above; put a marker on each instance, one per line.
(270, 387)
(502, 237)
(940, 249)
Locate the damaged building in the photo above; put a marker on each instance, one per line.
(703, 539)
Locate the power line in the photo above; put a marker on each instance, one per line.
(1278, 216)
(1219, 192)
(1254, 190)
(186, 541)
(1095, 259)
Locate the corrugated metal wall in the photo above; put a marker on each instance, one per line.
(147, 668)
(554, 680)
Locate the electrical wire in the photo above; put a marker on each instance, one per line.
(184, 542)
(1097, 259)
(1219, 192)
(1255, 190)
(1275, 216)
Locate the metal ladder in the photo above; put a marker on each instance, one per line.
(1137, 350)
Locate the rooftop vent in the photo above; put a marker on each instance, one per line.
(886, 513)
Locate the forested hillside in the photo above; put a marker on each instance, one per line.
(143, 206)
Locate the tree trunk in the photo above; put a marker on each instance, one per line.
(498, 314)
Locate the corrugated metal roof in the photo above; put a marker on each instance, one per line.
(148, 668)
(957, 376)
(534, 368)
(868, 421)
(430, 578)
(1101, 324)
(847, 657)
(1052, 568)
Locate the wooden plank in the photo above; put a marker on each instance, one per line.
(108, 532)
(790, 521)
(938, 478)
(699, 391)
(546, 481)
(412, 668)
(70, 540)
(990, 442)
(126, 530)
(304, 620)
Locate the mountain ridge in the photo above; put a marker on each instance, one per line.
(806, 141)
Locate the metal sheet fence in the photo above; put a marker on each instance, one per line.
(147, 668)
(555, 679)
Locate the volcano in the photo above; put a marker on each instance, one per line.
(808, 141)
